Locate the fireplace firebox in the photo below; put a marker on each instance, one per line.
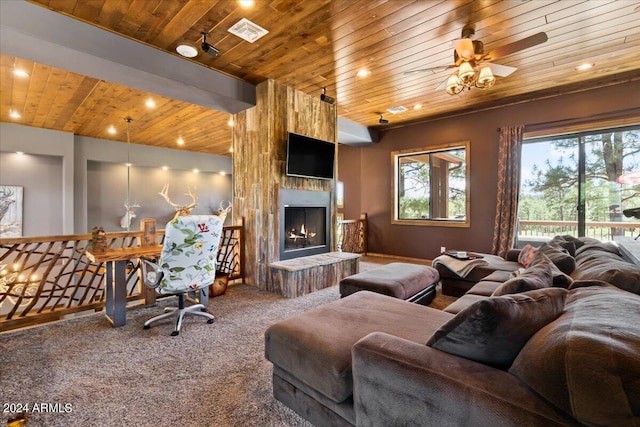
(304, 223)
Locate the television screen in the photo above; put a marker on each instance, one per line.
(309, 157)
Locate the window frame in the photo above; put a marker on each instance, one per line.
(431, 222)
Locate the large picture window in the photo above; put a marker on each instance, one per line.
(431, 185)
(580, 184)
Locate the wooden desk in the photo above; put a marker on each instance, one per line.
(116, 262)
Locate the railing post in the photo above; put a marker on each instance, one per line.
(148, 228)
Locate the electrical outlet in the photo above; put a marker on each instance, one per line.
(443, 249)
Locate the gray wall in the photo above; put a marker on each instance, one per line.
(66, 176)
(38, 192)
(41, 179)
(107, 189)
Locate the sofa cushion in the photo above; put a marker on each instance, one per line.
(536, 276)
(600, 262)
(559, 278)
(500, 276)
(463, 302)
(586, 362)
(559, 256)
(493, 330)
(315, 347)
(484, 288)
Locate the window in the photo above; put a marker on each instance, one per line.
(431, 185)
(580, 184)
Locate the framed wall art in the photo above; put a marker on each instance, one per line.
(11, 211)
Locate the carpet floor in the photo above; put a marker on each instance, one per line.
(83, 372)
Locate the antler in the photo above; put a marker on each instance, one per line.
(180, 209)
(193, 204)
(165, 194)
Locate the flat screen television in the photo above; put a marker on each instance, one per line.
(309, 157)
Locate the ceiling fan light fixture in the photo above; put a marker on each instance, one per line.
(465, 73)
(486, 78)
(187, 50)
(453, 85)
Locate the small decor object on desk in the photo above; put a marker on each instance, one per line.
(219, 286)
(98, 239)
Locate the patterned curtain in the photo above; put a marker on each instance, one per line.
(504, 227)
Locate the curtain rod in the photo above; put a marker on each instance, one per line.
(577, 119)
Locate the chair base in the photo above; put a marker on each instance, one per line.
(180, 312)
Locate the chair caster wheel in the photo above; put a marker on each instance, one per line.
(175, 333)
(210, 321)
(146, 327)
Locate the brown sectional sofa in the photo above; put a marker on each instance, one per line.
(541, 357)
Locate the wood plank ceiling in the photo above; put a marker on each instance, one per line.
(316, 44)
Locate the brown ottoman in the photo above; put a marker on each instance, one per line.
(410, 282)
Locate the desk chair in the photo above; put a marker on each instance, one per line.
(186, 264)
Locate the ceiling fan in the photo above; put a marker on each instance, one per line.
(474, 68)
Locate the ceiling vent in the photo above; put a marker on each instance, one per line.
(397, 110)
(247, 30)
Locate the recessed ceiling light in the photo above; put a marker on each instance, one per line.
(223, 173)
(180, 141)
(111, 130)
(363, 73)
(583, 67)
(231, 149)
(230, 122)
(165, 168)
(246, 3)
(417, 106)
(19, 72)
(196, 171)
(14, 114)
(150, 103)
(187, 50)
(19, 153)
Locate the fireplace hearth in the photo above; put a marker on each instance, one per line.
(304, 223)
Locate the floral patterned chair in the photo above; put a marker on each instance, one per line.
(186, 264)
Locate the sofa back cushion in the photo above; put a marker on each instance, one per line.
(493, 330)
(587, 361)
(539, 274)
(560, 256)
(602, 262)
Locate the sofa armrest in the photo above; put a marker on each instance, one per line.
(399, 382)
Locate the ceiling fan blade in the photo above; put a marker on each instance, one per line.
(443, 84)
(501, 70)
(424, 70)
(517, 46)
(464, 48)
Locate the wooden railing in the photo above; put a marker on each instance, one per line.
(604, 231)
(54, 279)
(352, 235)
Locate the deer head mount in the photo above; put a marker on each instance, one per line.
(130, 213)
(180, 209)
(225, 208)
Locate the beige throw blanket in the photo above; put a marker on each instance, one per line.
(461, 267)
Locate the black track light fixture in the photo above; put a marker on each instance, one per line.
(326, 98)
(383, 121)
(207, 48)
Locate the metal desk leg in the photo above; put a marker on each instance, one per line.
(116, 305)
